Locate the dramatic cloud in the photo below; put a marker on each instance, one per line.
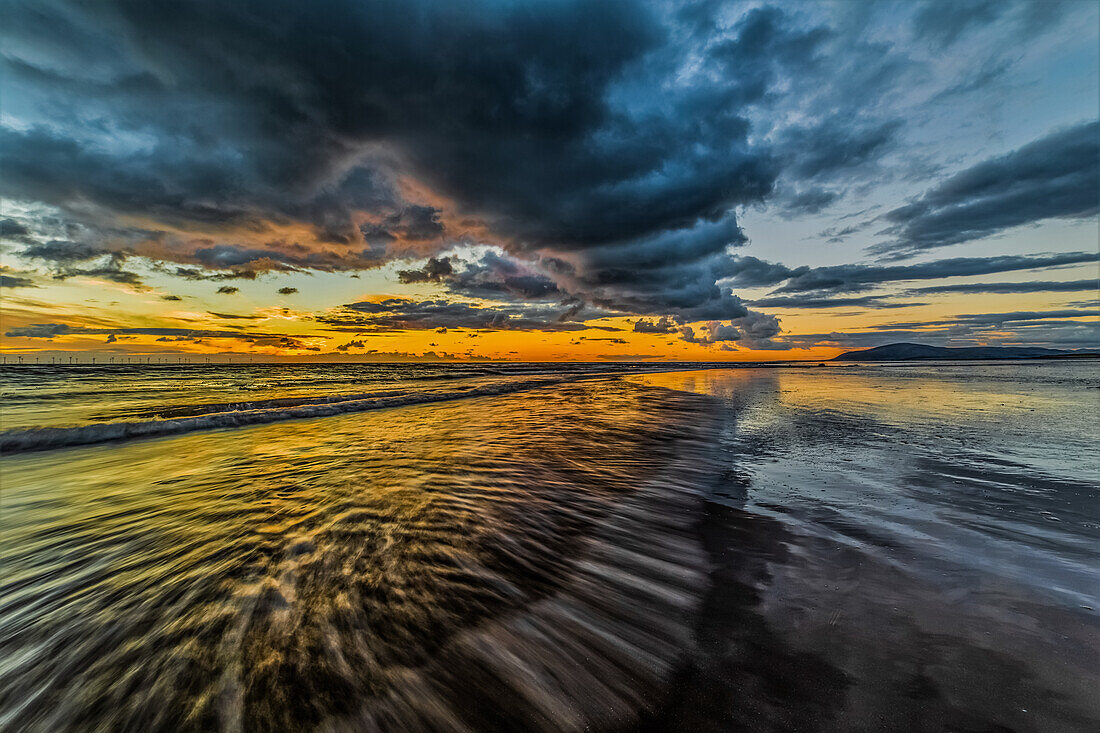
(531, 165)
(753, 272)
(1051, 334)
(415, 223)
(13, 230)
(1065, 328)
(189, 273)
(403, 313)
(1000, 319)
(10, 278)
(1057, 176)
(435, 270)
(53, 330)
(61, 252)
(538, 121)
(493, 275)
(800, 302)
(836, 145)
(755, 330)
(661, 325)
(810, 200)
(1033, 286)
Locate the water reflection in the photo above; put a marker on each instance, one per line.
(754, 549)
(487, 562)
(899, 549)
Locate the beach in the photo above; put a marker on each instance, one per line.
(871, 547)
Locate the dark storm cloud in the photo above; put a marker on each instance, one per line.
(53, 330)
(836, 145)
(494, 275)
(809, 201)
(538, 119)
(1000, 319)
(10, 229)
(604, 144)
(661, 325)
(416, 223)
(10, 278)
(1057, 176)
(352, 345)
(765, 48)
(287, 291)
(669, 273)
(109, 272)
(439, 315)
(435, 270)
(46, 330)
(65, 260)
(187, 179)
(228, 290)
(497, 100)
(280, 257)
(753, 272)
(413, 223)
(171, 297)
(191, 273)
(755, 330)
(799, 302)
(61, 252)
(1033, 286)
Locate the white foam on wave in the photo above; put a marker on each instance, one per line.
(38, 439)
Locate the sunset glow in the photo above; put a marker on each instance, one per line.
(741, 183)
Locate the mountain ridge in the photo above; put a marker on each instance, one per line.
(912, 352)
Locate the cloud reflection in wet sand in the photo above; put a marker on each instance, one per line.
(865, 548)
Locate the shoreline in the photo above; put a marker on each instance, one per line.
(32, 440)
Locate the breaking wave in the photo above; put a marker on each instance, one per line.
(189, 418)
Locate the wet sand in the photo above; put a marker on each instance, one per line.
(607, 555)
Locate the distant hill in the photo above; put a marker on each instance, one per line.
(909, 352)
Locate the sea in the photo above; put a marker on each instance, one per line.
(554, 547)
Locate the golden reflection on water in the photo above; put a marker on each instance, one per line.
(539, 560)
(894, 394)
(281, 576)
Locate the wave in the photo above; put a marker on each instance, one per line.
(206, 408)
(241, 414)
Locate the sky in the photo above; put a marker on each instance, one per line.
(559, 180)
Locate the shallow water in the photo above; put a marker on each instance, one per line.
(49, 396)
(842, 548)
(920, 545)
